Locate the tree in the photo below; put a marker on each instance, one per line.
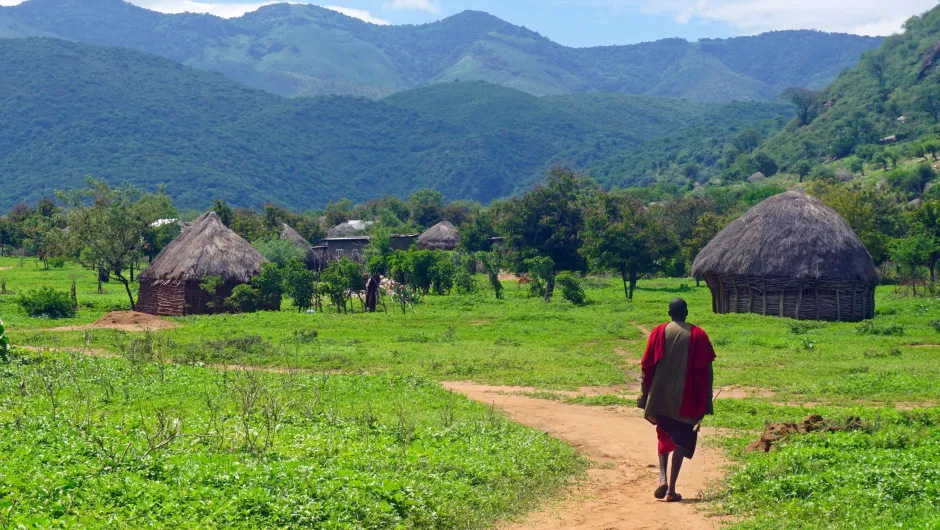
(426, 207)
(911, 255)
(876, 63)
(110, 232)
(928, 101)
(706, 228)
(805, 101)
(802, 169)
(692, 171)
(491, 260)
(622, 235)
(857, 166)
(926, 220)
(224, 211)
(298, 284)
(765, 164)
(746, 141)
(547, 222)
(338, 212)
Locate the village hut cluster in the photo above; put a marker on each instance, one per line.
(172, 284)
(790, 256)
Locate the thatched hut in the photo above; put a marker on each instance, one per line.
(170, 286)
(442, 236)
(756, 178)
(790, 256)
(353, 228)
(294, 238)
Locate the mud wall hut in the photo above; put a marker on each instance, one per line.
(442, 236)
(790, 256)
(170, 286)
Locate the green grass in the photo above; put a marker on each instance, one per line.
(88, 442)
(832, 480)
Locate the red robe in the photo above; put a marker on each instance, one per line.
(696, 398)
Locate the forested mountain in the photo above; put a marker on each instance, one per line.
(893, 92)
(72, 109)
(297, 50)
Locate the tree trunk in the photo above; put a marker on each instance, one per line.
(626, 287)
(132, 272)
(127, 287)
(632, 284)
(549, 288)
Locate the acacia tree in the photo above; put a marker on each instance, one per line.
(926, 220)
(622, 235)
(547, 222)
(804, 100)
(108, 228)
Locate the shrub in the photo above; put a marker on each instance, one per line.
(936, 325)
(4, 345)
(869, 327)
(279, 251)
(800, 328)
(299, 284)
(243, 299)
(47, 302)
(571, 289)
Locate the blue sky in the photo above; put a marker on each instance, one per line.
(605, 22)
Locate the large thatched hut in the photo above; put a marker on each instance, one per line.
(442, 236)
(294, 238)
(170, 286)
(790, 256)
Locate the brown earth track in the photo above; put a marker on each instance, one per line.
(124, 321)
(618, 493)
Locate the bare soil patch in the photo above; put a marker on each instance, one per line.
(618, 493)
(124, 321)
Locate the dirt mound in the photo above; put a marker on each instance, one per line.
(776, 432)
(125, 321)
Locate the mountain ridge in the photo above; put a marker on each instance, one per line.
(72, 109)
(302, 50)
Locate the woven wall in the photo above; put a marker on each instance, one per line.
(174, 299)
(800, 299)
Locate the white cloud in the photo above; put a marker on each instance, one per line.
(431, 6)
(229, 10)
(865, 17)
(361, 14)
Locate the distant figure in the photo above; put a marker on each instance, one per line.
(677, 391)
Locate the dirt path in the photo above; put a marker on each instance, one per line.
(619, 492)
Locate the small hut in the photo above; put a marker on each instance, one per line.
(790, 256)
(293, 237)
(352, 228)
(756, 178)
(170, 286)
(442, 236)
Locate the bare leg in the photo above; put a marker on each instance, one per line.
(663, 468)
(677, 457)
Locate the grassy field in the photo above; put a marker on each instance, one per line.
(883, 474)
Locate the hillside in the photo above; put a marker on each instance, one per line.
(304, 50)
(892, 92)
(74, 109)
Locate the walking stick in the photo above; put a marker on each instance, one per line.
(698, 426)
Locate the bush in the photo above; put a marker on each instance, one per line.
(243, 299)
(279, 251)
(4, 345)
(935, 324)
(571, 289)
(47, 302)
(869, 327)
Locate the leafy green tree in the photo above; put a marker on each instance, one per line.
(928, 101)
(622, 235)
(110, 232)
(857, 166)
(806, 102)
(299, 284)
(911, 255)
(475, 234)
(706, 228)
(765, 164)
(802, 169)
(542, 270)
(926, 220)
(547, 222)
(224, 211)
(338, 212)
(269, 285)
(426, 207)
(746, 141)
(279, 251)
(491, 261)
(339, 280)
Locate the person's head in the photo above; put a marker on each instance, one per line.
(678, 309)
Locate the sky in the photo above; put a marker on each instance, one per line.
(606, 22)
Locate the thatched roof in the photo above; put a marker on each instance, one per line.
(292, 236)
(442, 236)
(354, 227)
(757, 177)
(790, 235)
(206, 248)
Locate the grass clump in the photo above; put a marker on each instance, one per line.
(869, 327)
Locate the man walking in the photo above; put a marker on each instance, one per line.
(677, 391)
